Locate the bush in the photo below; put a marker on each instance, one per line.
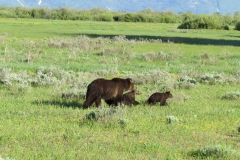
(237, 26)
(232, 95)
(6, 12)
(158, 56)
(217, 151)
(171, 119)
(129, 17)
(100, 114)
(6, 158)
(225, 27)
(23, 12)
(18, 82)
(187, 82)
(158, 80)
(104, 17)
(45, 77)
(123, 123)
(202, 22)
(106, 117)
(212, 78)
(76, 90)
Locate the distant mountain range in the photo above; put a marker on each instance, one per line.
(195, 6)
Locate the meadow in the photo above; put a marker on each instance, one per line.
(46, 66)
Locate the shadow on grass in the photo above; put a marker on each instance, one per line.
(60, 103)
(233, 36)
(181, 40)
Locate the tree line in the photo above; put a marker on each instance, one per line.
(187, 20)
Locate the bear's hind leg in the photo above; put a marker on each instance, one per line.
(98, 102)
(89, 101)
(153, 103)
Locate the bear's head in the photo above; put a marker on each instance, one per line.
(168, 94)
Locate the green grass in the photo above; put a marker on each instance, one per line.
(36, 123)
(23, 38)
(36, 127)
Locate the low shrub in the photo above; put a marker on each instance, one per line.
(46, 77)
(159, 80)
(186, 82)
(100, 114)
(171, 119)
(6, 158)
(18, 82)
(232, 95)
(75, 90)
(106, 117)
(107, 73)
(216, 151)
(81, 43)
(212, 78)
(158, 56)
(123, 123)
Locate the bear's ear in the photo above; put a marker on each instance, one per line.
(130, 79)
(168, 92)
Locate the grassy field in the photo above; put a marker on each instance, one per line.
(46, 66)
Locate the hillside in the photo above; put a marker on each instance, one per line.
(195, 6)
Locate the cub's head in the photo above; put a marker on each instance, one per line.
(136, 91)
(168, 94)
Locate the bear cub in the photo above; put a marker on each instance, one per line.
(129, 97)
(159, 97)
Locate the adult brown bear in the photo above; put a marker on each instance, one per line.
(159, 97)
(108, 90)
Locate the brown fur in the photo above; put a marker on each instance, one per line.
(127, 98)
(159, 97)
(108, 90)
